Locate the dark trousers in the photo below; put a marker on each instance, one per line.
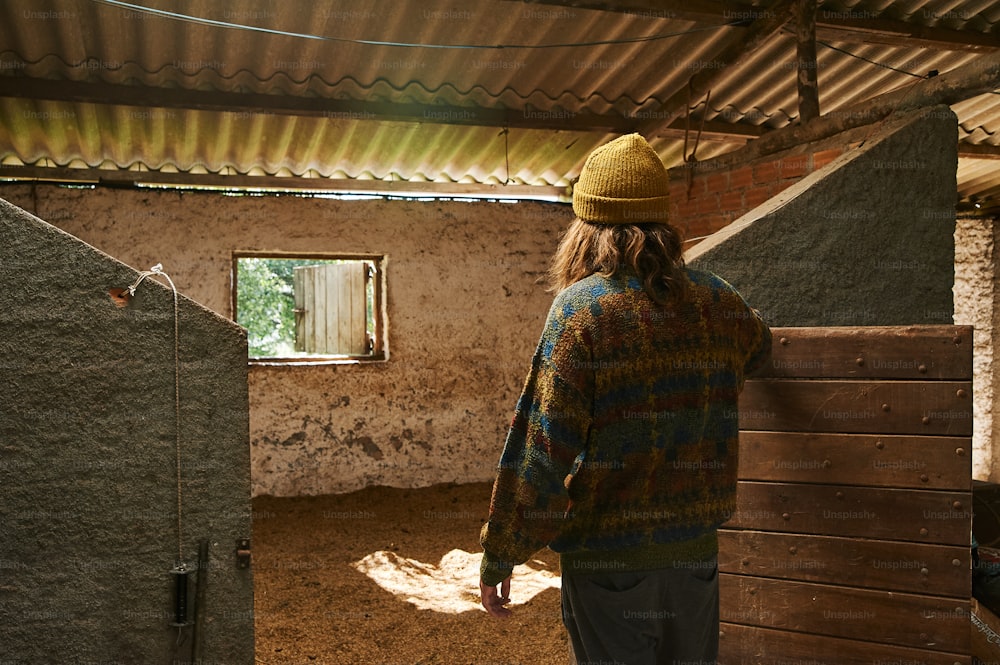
(659, 617)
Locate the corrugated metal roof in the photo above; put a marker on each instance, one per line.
(557, 62)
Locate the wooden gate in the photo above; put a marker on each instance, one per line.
(851, 540)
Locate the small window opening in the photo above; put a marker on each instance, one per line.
(310, 307)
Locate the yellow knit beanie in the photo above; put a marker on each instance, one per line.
(623, 182)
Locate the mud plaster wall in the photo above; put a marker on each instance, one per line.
(88, 459)
(464, 314)
(977, 303)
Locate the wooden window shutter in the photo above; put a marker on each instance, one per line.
(331, 308)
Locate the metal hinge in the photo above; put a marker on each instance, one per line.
(243, 553)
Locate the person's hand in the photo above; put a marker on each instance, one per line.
(494, 603)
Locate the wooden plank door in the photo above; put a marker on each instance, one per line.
(331, 301)
(851, 540)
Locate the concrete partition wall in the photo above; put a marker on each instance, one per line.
(89, 457)
(866, 240)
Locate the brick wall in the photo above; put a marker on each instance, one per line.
(706, 196)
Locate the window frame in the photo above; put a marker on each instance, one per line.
(379, 352)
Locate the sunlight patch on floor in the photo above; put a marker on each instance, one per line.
(451, 586)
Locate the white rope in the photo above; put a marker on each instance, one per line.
(158, 270)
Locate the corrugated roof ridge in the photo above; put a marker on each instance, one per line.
(200, 167)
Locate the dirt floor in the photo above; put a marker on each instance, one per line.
(313, 603)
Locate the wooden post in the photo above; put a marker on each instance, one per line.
(804, 13)
(980, 76)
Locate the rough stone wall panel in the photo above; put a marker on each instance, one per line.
(867, 240)
(88, 459)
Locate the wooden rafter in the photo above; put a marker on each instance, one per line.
(981, 151)
(970, 80)
(845, 25)
(862, 27)
(333, 109)
(230, 102)
(804, 12)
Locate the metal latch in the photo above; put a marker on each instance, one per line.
(243, 553)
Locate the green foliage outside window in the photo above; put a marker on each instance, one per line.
(266, 304)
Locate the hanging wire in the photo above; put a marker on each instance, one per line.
(869, 60)
(158, 270)
(506, 153)
(690, 158)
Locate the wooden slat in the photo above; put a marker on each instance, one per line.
(883, 352)
(340, 275)
(874, 407)
(315, 303)
(939, 570)
(298, 292)
(881, 460)
(347, 317)
(850, 543)
(910, 620)
(923, 516)
(748, 645)
(359, 311)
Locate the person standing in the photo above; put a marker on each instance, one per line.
(622, 453)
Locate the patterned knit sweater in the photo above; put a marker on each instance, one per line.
(622, 452)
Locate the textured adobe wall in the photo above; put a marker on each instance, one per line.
(465, 310)
(866, 240)
(977, 303)
(88, 460)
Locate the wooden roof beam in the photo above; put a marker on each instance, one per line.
(698, 11)
(978, 77)
(841, 25)
(865, 28)
(980, 151)
(804, 13)
(334, 109)
(343, 109)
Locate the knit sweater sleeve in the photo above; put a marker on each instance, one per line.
(547, 436)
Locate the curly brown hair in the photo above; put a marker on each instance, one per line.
(652, 251)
